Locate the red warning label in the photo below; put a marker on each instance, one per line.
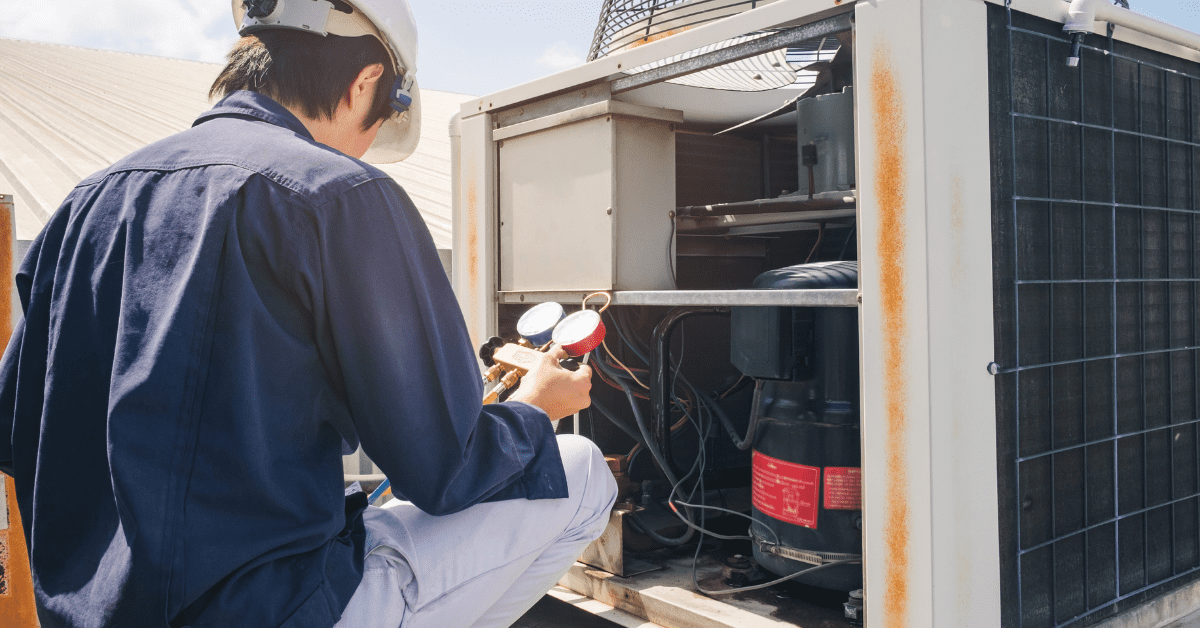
(843, 488)
(786, 491)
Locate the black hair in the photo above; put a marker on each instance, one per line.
(306, 71)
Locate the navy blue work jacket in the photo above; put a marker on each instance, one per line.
(206, 321)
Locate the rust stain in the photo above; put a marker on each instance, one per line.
(16, 581)
(472, 236)
(472, 225)
(958, 221)
(656, 36)
(4, 592)
(7, 244)
(887, 109)
(16, 602)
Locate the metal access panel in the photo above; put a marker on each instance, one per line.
(1096, 249)
(565, 223)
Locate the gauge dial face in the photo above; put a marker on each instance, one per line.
(537, 324)
(580, 332)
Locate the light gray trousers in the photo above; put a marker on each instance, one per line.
(482, 567)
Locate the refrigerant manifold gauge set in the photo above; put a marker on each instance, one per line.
(540, 327)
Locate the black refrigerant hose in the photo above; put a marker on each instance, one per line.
(612, 418)
(742, 443)
(659, 461)
(660, 401)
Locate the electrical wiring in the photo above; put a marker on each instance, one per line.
(745, 442)
(622, 365)
(817, 246)
(764, 585)
(621, 324)
(699, 411)
(604, 377)
(734, 388)
(846, 244)
(639, 447)
(607, 379)
(704, 427)
(608, 414)
(726, 537)
(663, 466)
(701, 458)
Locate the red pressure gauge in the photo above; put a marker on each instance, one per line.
(580, 332)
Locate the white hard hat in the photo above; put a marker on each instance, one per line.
(390, 21)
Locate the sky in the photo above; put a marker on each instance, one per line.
(466, 46)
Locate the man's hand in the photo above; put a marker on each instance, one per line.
(554, 389)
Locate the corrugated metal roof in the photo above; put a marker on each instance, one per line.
(66, 112)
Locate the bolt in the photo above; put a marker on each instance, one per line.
(609, 211)
(737, 561)
(993, 368)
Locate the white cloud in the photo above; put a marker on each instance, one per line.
(202, 31)
(560, 56)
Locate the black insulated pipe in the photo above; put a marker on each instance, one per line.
(662, 385)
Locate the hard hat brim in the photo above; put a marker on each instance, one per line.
(398, 135)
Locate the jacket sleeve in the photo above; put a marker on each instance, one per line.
(393, 332)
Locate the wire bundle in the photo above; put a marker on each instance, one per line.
(698, 411)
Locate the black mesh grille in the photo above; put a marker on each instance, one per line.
(1095, 237)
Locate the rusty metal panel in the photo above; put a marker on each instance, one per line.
(895, 410)
(8, 261)
(474, 268)
(962, 412)
(16, 583)
(929, 471)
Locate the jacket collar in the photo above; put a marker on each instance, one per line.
(258, 106)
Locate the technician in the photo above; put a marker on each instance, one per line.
(211, 321)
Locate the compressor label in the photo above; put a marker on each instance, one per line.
(786, 491)
(843, 488)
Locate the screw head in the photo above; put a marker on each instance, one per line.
(737, 561)
(993, 368)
